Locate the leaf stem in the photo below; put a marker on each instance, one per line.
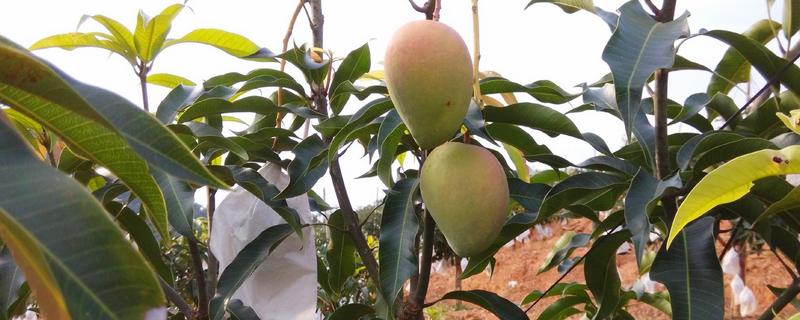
(142, 73)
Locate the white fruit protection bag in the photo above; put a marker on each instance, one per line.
(284, 287)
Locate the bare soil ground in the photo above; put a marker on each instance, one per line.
(522, 262)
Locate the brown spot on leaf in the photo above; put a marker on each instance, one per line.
(777, 159)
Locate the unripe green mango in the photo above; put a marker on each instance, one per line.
(466, 192)
(428, 72)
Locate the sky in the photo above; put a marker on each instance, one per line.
(524, 46)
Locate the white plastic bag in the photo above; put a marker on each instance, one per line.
(730, 263)
(285, 286)
(747, 302)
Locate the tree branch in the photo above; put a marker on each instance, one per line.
(213, 263)
(142, 73)
(202, 292)
(784, 299)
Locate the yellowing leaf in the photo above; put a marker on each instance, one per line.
(791, 121)
(733, 180)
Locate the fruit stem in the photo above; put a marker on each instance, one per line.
(476, 54)
(436, 9)
(425, 263)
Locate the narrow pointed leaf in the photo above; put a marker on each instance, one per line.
(303, 171)
(542, 90)
(638, 47)
(351, 311)
(761, 57)
(489, 301)
(168, 80)
(389, 134)
(734, 68)
(217, 106)
(53, 253)
(692, 273)
(340, 254)
(364, 116)
(353, 66)
(791, 17)
(232, 43)
(150, 34)
(239, 311)
(733, 180)
(569, 6)
(601, 273)
(399, 227)
(534, 116)
(69, 41)
(244, 264)
(119, 31)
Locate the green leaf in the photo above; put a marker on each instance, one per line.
(766, 62)
(563, 248)
(232, 43)
(53, 252)
(733, 68)
(389, 134)
(534, 116)
(150, 34)
(340, 254)
(399, 227)
(559, 289)
(314, 72)
(216, 106)
(244, 264)
(542, 90)
(351, 311)
(791, 17)
(179, 197)
(562, 308)
(575, 188)
(89, 138)
(643, 194)
(790, 201)
(692, 274)
(256, 78)
(239, 311)
(120, 33)
(733, 180)
(490, 301)
(638, 47)
(364, 116)
(207, 134)
(353, 66)
(180, 97)
(600, 271)
(168, 80)
(70, 41)
(11, 281)
(569, 6)
(304, 171)
(141, 234)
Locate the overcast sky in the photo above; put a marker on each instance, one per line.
(539, 43)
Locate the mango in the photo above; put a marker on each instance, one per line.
(428, 72)
(466, 192)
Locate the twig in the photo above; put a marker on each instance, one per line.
(202, 292)
(279, 116)
(784, 299)
(729, 243)
(793, 53)
(762, 91)
(337, 179)
(176, 298)
(652, 7)
(213, 263)
(416, 7)
(476, 57)
(785, 265)
(142, 73)
(564, 275)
